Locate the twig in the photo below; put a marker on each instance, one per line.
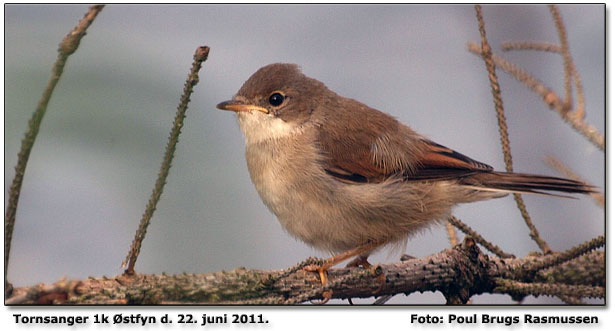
(487, 56)
(530, 45)
(68, 46)
(479, 239)
(553, 260)
(565, 51)
(530, 81)
(586, 269)
(564, 170)
(193, 78)
(528, 221)
(549, 96)
(519, 288)
(452, 235)
(579, 112)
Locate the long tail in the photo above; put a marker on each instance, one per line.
(525, 183)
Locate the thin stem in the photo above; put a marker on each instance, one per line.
(193, 78)
(452, 235)
(579, 112)
(568, 255)
(493, 248)
(550, 97)
(530, 45)
(565, 51)
(68, 46)
(487, 56)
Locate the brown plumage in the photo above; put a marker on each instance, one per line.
(339, 174)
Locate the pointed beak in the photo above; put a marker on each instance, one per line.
(237, 106)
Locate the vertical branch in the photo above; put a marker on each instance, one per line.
(565, 51)
(570, 69)
(193, 78)
(68, 46)
(487, 55)
(579, 113)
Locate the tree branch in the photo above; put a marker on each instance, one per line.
(458, 273)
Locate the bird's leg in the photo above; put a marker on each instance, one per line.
(359, 252)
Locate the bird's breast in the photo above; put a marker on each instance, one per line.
(290, 180)
(285, 171)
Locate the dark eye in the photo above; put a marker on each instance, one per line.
(276, 99)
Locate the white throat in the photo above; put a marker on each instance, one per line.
(258, 127)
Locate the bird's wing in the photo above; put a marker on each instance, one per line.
(366, 148)
(439, 162)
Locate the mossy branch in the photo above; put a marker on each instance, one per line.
(458, 273)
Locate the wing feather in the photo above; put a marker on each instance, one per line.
(368, 146)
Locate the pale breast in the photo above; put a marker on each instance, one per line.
(289, 176)
(290, 180)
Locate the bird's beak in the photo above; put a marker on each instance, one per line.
(237, 106)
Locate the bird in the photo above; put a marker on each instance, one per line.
(349, 179)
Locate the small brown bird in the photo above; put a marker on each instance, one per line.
(344, 177)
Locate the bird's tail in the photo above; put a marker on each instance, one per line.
(525, 183)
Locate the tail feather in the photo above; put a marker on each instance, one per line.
(526, 183)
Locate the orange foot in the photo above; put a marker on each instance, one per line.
(360, 260)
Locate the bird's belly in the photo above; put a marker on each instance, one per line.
(335, 216)
(293, 185)
(300, 204)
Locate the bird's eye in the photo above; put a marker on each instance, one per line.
(276, 99)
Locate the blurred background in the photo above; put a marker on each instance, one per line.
(99, 150)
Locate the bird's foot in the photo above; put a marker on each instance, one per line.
(360, 260)
(322, 272)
